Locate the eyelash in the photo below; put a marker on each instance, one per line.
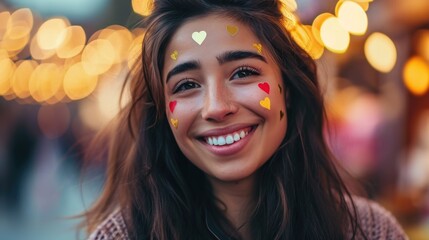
(249, 71)
(183, 84)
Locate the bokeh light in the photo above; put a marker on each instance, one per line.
(45, 81)
(98, 57)
(352, 17)
(334, 36)
(74, 42)
(380, 51)
(77, 83)
(21, 77)
(50, 34)
(303, 36)
(416, 75)
(142, 7)
(7, 68)
(422, 45)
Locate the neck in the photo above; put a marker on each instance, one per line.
(237, 201)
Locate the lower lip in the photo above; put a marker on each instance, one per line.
(231, 149)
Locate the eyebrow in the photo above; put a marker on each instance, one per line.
(183, 67)
(238, 55)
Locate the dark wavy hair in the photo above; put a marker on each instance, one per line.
(163, 196)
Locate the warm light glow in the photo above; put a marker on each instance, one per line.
(14, 46)
(74, 42)
(352, 17)
(49, 36)
(289, 5)
(334, 36)
(77, 83)
(380, 51)
(121, 38)
(20, 24)
(290, 20)
(317, 24)
(7, 68)
(304, 38)
(422, 37)
(142, 7)
(38, 53)
(45, 81)
(98, 57)
(416, 75)
(135, 51)
(21, 77)
(4, 18)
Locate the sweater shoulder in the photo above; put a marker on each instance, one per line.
(376, 222)
(112, 228)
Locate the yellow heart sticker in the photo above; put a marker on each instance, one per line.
(258, 47)
(199, 37)
(265, 103)
(175, 123)
(174, 55)
(232, 30)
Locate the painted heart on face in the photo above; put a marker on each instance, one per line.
(172, 105)
(282, 114)
(258, 47)
(265, 87)
(266, 103)
(199, 37)
(232, 30)
(175, 123)
(174, 55)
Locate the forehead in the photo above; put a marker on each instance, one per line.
(222, 34)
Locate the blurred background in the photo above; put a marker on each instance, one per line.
(63, 62)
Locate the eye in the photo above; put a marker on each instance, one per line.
(185, 85)
(243, 72)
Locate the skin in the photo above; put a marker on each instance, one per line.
(218, 97)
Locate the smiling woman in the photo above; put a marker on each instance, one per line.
(224, 136)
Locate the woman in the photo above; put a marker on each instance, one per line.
(223, 136)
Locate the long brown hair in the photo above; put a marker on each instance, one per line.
(163, 196)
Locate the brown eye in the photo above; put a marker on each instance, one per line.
(186, 86)
(243, 72)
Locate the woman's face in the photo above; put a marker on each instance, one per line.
(224, 97)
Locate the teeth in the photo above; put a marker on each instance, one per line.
(227, 139)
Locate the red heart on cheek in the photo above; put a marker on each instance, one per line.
(265, 87)
(172, 105)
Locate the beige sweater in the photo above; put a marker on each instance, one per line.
(376, 222)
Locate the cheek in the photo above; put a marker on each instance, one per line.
(180, 114)
(265, 98)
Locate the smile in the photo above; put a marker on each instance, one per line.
(228, 139)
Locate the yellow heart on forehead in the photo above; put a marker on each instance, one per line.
(258, 47)
(174, 55)
(174, 122)
(266, 103)
(232, 30)
(199, 37)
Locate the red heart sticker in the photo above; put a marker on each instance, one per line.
(172, 105)
(265, 87)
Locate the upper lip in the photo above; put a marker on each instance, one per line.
(225, 130)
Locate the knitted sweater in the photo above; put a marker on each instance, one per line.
(376, 222)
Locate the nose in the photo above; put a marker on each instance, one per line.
(218, 103)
